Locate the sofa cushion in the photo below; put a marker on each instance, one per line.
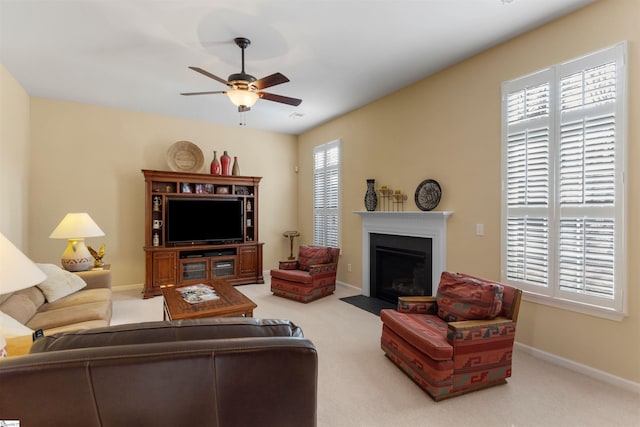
(78, 298)
(427, 333)
(462, 297)
(47, 319)
(313, 255)
(10, 327)
(20, 307)
(59, 283)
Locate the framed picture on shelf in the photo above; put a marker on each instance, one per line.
(208, 188)
(186, 188)
(199, 188)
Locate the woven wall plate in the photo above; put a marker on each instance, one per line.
(428, 195)
(185, 156)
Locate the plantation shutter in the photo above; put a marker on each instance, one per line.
(326, 194)
(563, 181)
(528, 177)
(587, 167)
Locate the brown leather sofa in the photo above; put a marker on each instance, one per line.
(203, 372)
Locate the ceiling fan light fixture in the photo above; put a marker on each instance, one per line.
(242, 97)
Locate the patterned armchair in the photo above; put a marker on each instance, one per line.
(457, 342)
(311, 277)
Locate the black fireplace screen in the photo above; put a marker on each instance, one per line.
(399, 266)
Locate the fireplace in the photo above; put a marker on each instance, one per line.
(400, 266)
(429, 226)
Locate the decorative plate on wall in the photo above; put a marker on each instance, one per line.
(428, 195)
(185, 156)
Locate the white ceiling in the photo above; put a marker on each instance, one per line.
(338, 54)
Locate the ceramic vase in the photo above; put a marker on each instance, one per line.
(370, 197)
(215, 164)
(225, 161)
(235, 170)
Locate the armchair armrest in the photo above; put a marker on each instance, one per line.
(417, 305)
(323, 268)
(467, 331)
(288, 265)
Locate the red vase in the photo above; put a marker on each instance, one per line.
(225, 160)
(215, 164)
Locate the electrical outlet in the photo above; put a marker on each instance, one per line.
(349, 268)
(479, 229)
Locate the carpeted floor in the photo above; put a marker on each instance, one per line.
(372, 305)
(359, 386)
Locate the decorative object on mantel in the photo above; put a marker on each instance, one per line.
(225, 160)
(391, 200)
(370, 197)
(235, 170)
(428, 195)
(215, 164)
(292, 234)
(185, 156)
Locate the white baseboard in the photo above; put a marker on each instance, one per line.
(580, 368)
(130, 287)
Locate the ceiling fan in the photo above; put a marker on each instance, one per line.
(244, 90)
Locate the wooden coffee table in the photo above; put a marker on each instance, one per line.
(230, 304)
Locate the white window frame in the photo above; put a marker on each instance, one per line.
(330, 216)
(548, 291)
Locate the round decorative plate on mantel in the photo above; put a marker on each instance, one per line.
(428, 195)
(185, 156)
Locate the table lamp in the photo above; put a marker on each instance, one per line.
(16, 272)
(75, 227)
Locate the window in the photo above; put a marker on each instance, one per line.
(326, 194)
(564, 159)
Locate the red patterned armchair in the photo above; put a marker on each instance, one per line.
(313, 276)
(458, 341)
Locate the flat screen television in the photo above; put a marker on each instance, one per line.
(204, 221)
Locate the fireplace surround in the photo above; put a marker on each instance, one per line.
(430, 225)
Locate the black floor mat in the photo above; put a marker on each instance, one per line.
(372, 305)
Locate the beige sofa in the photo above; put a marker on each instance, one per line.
(88, 307)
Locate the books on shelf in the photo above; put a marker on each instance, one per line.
(198, 293)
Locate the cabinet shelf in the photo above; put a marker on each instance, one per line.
(236, 262)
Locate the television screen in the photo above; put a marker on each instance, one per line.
(194, 220)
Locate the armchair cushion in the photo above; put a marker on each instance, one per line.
(462, 297)
(313, 255)
(288, 265)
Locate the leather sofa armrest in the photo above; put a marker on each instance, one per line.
(96, 279)
(417, 305)
(323, 268)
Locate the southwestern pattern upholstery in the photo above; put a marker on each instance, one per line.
(313, 276)
(448, 358)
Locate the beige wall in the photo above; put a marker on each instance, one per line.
(88, 159)
(447, 127)
(14, 160)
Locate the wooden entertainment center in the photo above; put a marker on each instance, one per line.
(237, 260)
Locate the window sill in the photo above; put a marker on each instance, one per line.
(591, 310)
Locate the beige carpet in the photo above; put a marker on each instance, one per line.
(359, 386)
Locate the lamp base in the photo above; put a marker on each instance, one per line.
(76, 257)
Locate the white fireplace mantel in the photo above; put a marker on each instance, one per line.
(431, 224)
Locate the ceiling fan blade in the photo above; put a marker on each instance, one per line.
(280, 98)
(203, 93)
(272, 80)
(212, 76)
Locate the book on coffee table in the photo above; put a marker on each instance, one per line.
(198, 293)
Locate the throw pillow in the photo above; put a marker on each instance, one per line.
(59, 283)
(462, 297)
(313, 255)
(10, 327)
